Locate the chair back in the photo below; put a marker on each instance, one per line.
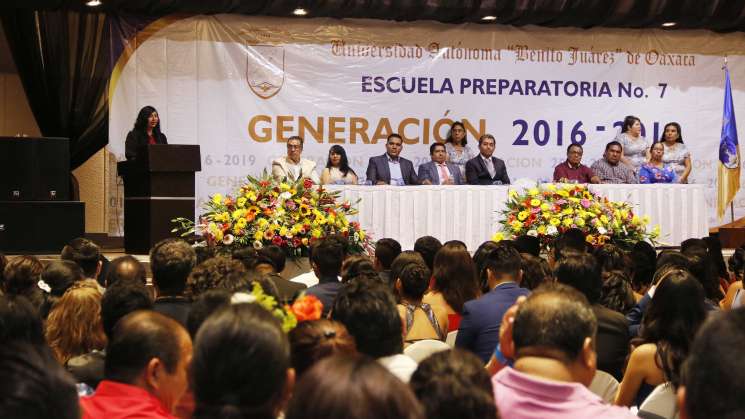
(604, 385)
(450, 338)
(420, 350)
(660, 404)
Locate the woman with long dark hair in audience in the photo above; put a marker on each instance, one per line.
(74, 324)
(734, 297)
(643, 260)
(337, 170)
(674, 315)
(454, 282)
(341, 387)
(241, 364)
(145, 131)
(59, 275)
(616, 293)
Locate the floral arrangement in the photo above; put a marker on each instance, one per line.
(549, 210)
(306, 307)
(264, 211)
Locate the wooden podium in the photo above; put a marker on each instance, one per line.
(732, 235)
(158, 187)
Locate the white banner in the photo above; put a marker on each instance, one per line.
(240, 86)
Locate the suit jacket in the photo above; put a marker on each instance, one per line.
(288, 290)
(280, 169)
(377, 170)
(326, 291)
(479, 328)
(477, 174)
(429, 171)
(136, 139)
(612, 342)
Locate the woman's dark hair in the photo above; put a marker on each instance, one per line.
(535, 271)
(19, 321)
(628, 122)
(21, 276)
(454, 384)
(479, 259)
(703, 268)
(455, 276)
(343, 162)
(677, 126)
(611, 258)
(240, 362)
(141, 121)
(213, 273)
(643, 260)
(737, 263)
(59, 275)
(404, 258)
(414, 279)
(715, 251)
(673, 259)
(201, 308)
(616, 293)
(312, 341)
(672, 319)
(356, 265)
(450, 132)
(352, 387)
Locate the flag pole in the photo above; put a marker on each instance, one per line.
(732, 210)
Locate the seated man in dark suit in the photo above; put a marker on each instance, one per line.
(390, 168)
(479, 328)
(326, 259)
(437, 171)
(486, 169)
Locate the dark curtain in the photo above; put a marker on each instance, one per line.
(62, 59)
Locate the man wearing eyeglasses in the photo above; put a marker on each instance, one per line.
(391, 168)
(572, 170)
(292, 166)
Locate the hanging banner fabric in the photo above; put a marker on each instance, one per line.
(240, 86)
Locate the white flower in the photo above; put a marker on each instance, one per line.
(227, 239)
(285, 195)
(242, 297)
(602, 230)
(532, 233)
(552, 230)
(258, 244)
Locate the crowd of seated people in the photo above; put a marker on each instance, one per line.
(529, 331)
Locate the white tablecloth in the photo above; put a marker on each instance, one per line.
(471, 213)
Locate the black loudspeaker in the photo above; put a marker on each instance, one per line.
(38, 226)
(34, 169)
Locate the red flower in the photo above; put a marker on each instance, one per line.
(296, 242)
(307, 307)
(307, 183)
(277, 241)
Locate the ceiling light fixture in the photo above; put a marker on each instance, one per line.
(299, 12)
(93, 3)
(489, 18)
(668, 24)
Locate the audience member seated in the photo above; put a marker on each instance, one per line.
(390, 168)
(58, 275)
(201, 308)
(34, 385)
(535, 271)
(20, 278)
(454, 384)
(211, 274)
(356, 265)
(74, 324)
(146, 369)
(385, 251)
(427, 246)
(528, 244)
(19, 322)
(277, 257)
(314, 340)
(326, 262)
(454, 282)
(479, 329)
(734, 296)
(241, 364)
(171, 261)
(713, 379)
(126, 268)
(554, 350)
(87, 255)
(120, 299)
(581, 271)
(352, 387)
(616, 292)
(611, 258)
(478, 259)
(670, 323)
(643, 260)
(368, 310)
(404, 258)
(421, 321)
(286, 289)
(704, 269)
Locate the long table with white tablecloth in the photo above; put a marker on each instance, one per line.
(471, 213)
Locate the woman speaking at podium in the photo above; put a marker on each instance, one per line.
(146, 131)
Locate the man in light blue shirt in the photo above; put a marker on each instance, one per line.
(390, 168)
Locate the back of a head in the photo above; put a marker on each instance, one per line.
(571, 239)
(136, 339)
(171, 261)
(644, 260)
(34, 384)
(528, 244)
(74, 325)
(616, 293)
(703, 267)
(201, 308)
(455, 276)
(19, 321)
(611, 258)
(240, 363)
(535, 271)
(352, 387)
(126, 268)
(60, 275)
(414, 279)
(356, 265)
(211, 273)
(714, 374)
(120, 299)
(427, 246)
(327, 256)
(736, 263)
(368, 310)
(454, 384)
(503, 260)
(83, 252)
(385, 251)
(581, 272)
(314, 340)
(404, 258)
(693, 243)
(21, 275)
(555, 318)
(276, 255)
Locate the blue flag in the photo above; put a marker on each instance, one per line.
(729, 153)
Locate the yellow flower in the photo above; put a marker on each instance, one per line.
(636, 220)
(541, 229)
(218, 235)
(624, 214)
(567, 222)
(497, 237)
(604, 219)
(645, 220)
(263, 223)
(236, 230)
(516, 225)
(284, 187)
(567, 186)
(535, 202)
(563, 193)
(522, 215)
(554, 221)
(545, 207)
(656, 231)
(513, 193)
(251, 196)
(241, 223)
(258, 235)
(546, 215)
(240, 202)
(580, 222)
(361, 234)
(274, 227)
(238, 214)
(316, 233)
(533, 191)
(551, 187)
(304, 241)
(217, 199)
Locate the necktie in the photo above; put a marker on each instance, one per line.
(443, 173)
(490, 167)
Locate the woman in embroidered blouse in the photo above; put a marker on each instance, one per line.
(676, 153)
(455, 146)
(337, 168)
(655, 171)
(634, 145)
